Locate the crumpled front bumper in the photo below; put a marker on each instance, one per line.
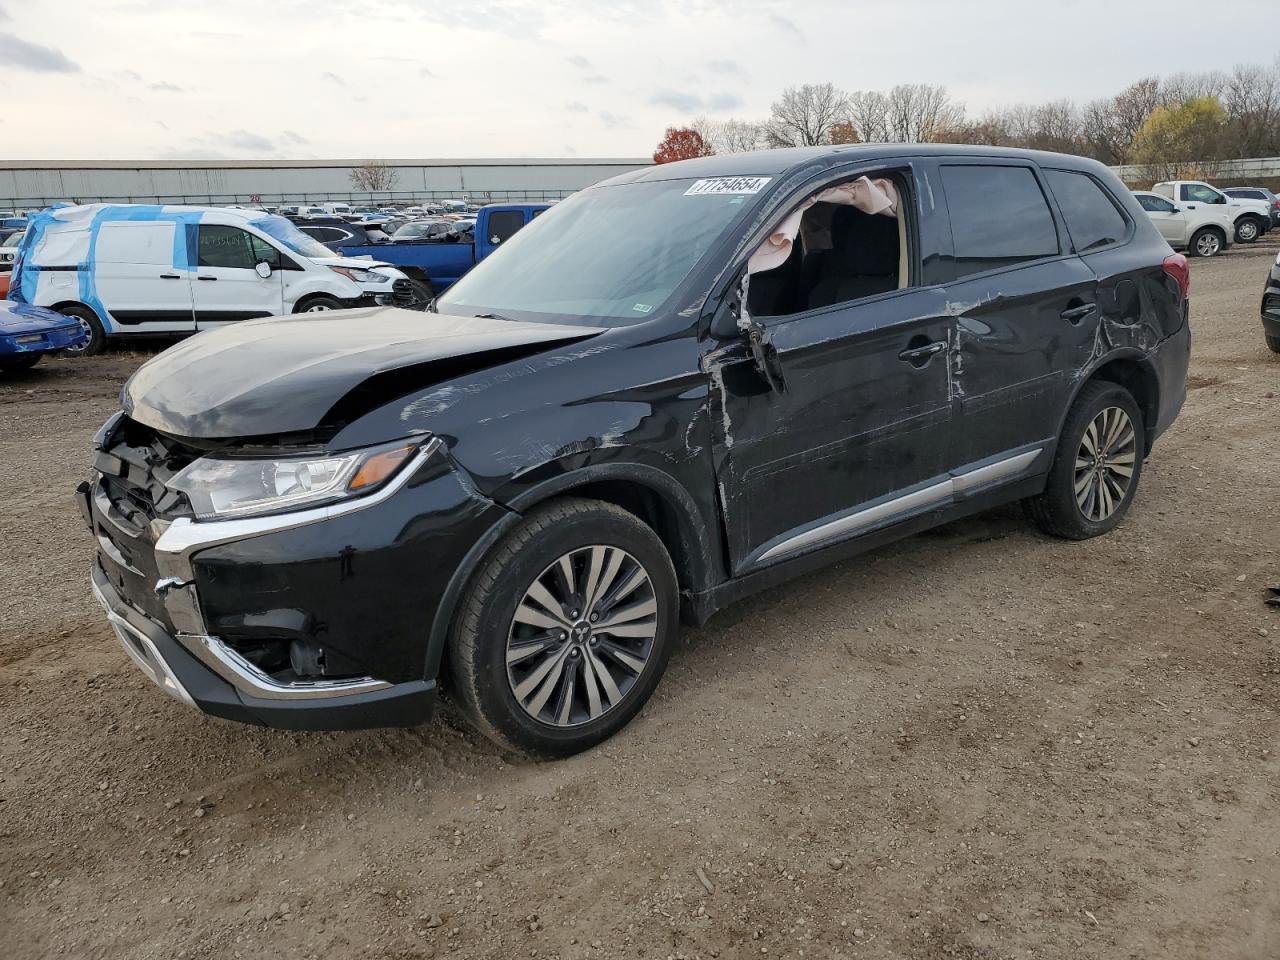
(170, 663)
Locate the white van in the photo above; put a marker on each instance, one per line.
(136, 269)
(336, 209)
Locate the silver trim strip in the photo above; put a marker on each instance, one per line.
(247, 678)
(995, 472)
(932, 495)
(143, 652)
(850, 523)
(184, 536)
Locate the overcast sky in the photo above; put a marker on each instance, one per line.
(543, 78)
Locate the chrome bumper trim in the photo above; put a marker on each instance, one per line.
(143, 652)
(248, 679)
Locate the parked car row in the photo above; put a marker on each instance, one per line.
(137, 270)
(1203, 220)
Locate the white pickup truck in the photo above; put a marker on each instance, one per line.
(1252, 218)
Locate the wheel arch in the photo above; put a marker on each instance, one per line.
(656, 498)
(1134, 371)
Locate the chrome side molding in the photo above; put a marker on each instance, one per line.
(938, 494)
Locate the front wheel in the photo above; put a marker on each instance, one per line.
(320, 303)
(1205, 242)
(566, 629)
(1273, 343)
(1248, 229)
(1096, 467)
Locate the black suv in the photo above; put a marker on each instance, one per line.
(683, 385)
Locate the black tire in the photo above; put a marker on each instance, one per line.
(16, 364)
(89, 320)
(1249, 229)
(478, 643)
(318, 303)
(1056, 510)
(1273, 343)
(1201, 247)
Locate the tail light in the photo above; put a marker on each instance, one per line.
(1176, 266)
(1276, 203)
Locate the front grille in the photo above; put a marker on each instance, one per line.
(402, 291)
(135, 464)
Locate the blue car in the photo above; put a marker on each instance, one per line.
(28, 333)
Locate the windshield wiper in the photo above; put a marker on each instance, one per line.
(495, 316)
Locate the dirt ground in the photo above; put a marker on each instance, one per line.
(978, 743)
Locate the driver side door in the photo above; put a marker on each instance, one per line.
(850, 432)
(227, 287)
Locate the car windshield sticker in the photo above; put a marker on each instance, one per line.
(717, 185)
(642, 308)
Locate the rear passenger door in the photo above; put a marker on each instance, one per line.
(136, 279)
(1025, 311)
(227, 286)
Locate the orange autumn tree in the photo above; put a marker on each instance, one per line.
(681, 143)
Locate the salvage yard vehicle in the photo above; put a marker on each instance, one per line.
(1252, 218)
(1203, 230)
(1271, 308)
(141, 270)
(444, 254)
(676, 388)
(1257, 193)
(29, 333)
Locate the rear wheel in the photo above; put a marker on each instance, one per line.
(566, 629)
(1248, 229)
(1273, 343)
(90, 323)
(1096, 467)
(1206, 242)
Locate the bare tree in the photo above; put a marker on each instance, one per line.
(1132, 106)
(805, 115)
(374, 175)
(869, 115)
(1252, 101)
(1183, 87)
(920, 113)
(730, 136)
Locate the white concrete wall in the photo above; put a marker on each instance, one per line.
(25, 183)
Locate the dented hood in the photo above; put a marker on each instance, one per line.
(311, 373)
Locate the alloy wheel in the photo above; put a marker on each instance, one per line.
(318, 308)
(1208, 245)
(1247, 231)
(581, 636)
(1104, 464)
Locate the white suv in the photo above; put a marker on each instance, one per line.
(1203, 230)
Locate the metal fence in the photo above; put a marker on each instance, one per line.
(1254, 168)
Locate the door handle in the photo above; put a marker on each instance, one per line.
(919, 356)
(1073, 314)
(206, 278)
(170, 276)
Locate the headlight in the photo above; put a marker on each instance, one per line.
(361, 276)
(224, 487)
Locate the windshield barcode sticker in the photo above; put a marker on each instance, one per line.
(727, 185)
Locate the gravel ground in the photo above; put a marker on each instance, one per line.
(976, 743)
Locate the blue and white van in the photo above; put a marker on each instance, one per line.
(146, 270)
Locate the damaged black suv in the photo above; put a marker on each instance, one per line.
(673, 389)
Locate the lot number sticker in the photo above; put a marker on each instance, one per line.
(727, 185)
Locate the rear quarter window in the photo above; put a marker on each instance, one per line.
(999, 217)
(1093, 220)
